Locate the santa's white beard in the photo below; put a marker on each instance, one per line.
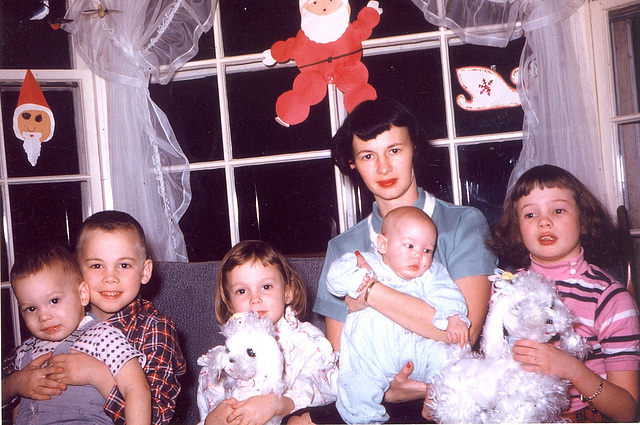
(32, 146)
(325, 28)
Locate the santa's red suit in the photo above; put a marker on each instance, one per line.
(336, 62)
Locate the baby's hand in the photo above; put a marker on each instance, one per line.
(457, 331)
(366, 280)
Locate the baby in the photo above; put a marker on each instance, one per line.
(373, 347)
(52, 297)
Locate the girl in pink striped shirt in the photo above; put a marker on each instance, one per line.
(553, 225)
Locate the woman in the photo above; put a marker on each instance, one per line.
(376, 145)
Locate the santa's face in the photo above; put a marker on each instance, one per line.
(324, 21)
(33, 123)
(323, 7)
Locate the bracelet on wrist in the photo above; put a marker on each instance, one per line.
(589, 400)
(368, 290)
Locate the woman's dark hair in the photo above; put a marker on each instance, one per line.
(597, 230)
(367, 121)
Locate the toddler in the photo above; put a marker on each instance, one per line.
(52, 296)
(255, 276)
(373, 348)
(555, 226)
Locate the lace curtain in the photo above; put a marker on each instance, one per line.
(125, 42)
(559, 104)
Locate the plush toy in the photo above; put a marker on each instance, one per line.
(249, 364)
(494, 388)
(327, 50)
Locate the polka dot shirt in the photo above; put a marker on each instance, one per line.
(102, 341)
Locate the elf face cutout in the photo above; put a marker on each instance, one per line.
(34, 124)
(33, 121)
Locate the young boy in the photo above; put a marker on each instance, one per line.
(112, 256)
(52, 298)
(373, 348)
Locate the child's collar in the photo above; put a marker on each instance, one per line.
(574, 267)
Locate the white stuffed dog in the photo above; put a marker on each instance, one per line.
(494, 388)
(249, 364)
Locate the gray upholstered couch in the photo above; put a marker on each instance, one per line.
(185, 292)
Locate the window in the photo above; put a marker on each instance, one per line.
(47, 201)
(625, 37)
(616, 26)
(253, 178)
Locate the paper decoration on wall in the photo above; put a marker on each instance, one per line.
(487, 89)
(327, 50)
(100, 11)
(33, 120)
(56, 23)
(42, 12)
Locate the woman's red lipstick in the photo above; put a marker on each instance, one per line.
(386, 183)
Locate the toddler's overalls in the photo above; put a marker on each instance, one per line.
(78, 404)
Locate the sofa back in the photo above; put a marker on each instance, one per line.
(185, 292)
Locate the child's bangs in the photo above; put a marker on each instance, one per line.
(542, 178)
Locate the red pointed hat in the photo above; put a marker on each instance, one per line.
(31, 98)
(30, 92)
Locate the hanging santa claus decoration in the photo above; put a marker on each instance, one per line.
(327, 50)
(33, 121)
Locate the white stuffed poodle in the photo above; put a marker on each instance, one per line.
(249, 364)
(494, 388)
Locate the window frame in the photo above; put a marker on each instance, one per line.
(91, 129)
(598, 14)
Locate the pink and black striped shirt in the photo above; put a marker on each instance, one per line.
(607, 316)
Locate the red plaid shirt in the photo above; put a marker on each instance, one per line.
(155, 335)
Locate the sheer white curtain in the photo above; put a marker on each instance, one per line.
(558, 100)
(125, 42)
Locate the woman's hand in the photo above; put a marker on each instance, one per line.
(362, 263)
(358, 304)
(404, 389)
